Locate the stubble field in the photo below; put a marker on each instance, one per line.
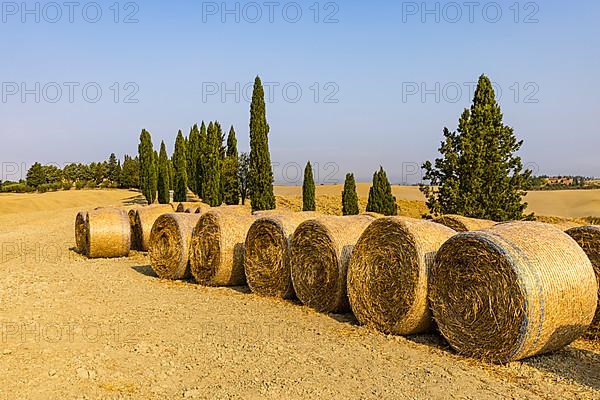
(73, 328)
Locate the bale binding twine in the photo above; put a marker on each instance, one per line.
(389, 271)
(512, 291)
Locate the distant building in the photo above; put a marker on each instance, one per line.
(559, 180)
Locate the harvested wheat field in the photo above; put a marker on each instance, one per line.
(74, 328)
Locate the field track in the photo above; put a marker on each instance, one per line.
(73, 328)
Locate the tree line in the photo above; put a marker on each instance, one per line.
(478, 174)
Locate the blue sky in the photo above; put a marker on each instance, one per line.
(378, 80)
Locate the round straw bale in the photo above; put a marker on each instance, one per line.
(588, 237)
(217, 251)
(321, 250)
(464, 224)
(145, 218)
(108, 233)
(81, 232)
(512, 291)
(389, 271)
(267, 258)
(170, 245)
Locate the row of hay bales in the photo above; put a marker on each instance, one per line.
(113, 231)
(499, 292)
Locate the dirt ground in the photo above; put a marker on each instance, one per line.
(73, 328)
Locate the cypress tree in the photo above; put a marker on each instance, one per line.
(171, 175)
(308, 190)
(193, 151)
(231, 184)
(180, 169)
(243, 172)
(479, 175)
(201, 160)
(163, 175)
(381, 199)
(260, 172)
(212, 177)
(148, 175)
(350, 197)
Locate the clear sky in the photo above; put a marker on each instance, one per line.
(378, 79)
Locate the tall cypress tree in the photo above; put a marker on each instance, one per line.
(201, 160)
(212, 174)
(231, 184)
(308, 190)
(180, 169)
(148, 175)
(479, 175)
(381, 199)
(163, 175)
(261, 172)
(193, 151)
(350, 197)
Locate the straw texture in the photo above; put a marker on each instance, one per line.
(321, 250)
(464, 224)
(389, 271)
(512, 291)
(181, 207)
(170, 242)
(217, 252)
(81, 232)
(145, 218)
(268, 252)
(588, 237)
(108, 233)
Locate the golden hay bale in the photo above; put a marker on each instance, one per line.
(321, 250)
(267, 256)
(588, 237)
(81, 232)
(373, 214)
(217, 251)
(145, 218)
(108, 233)
(389, 271)
(170, 242)
(464, 224)
(512, 291)
(199, 208)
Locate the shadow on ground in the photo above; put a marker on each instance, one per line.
(145, 270)
(579, 365)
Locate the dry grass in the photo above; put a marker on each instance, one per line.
(321, 251)
(513, 291)
(108, 233)
(463, 224)
(170, 245)
(217, 252)
(145, 217)
(268, 252)
(389, 271)
(588, 237)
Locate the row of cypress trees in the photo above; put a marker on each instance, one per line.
(211, 170)
(380, 201)
(478, 174)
